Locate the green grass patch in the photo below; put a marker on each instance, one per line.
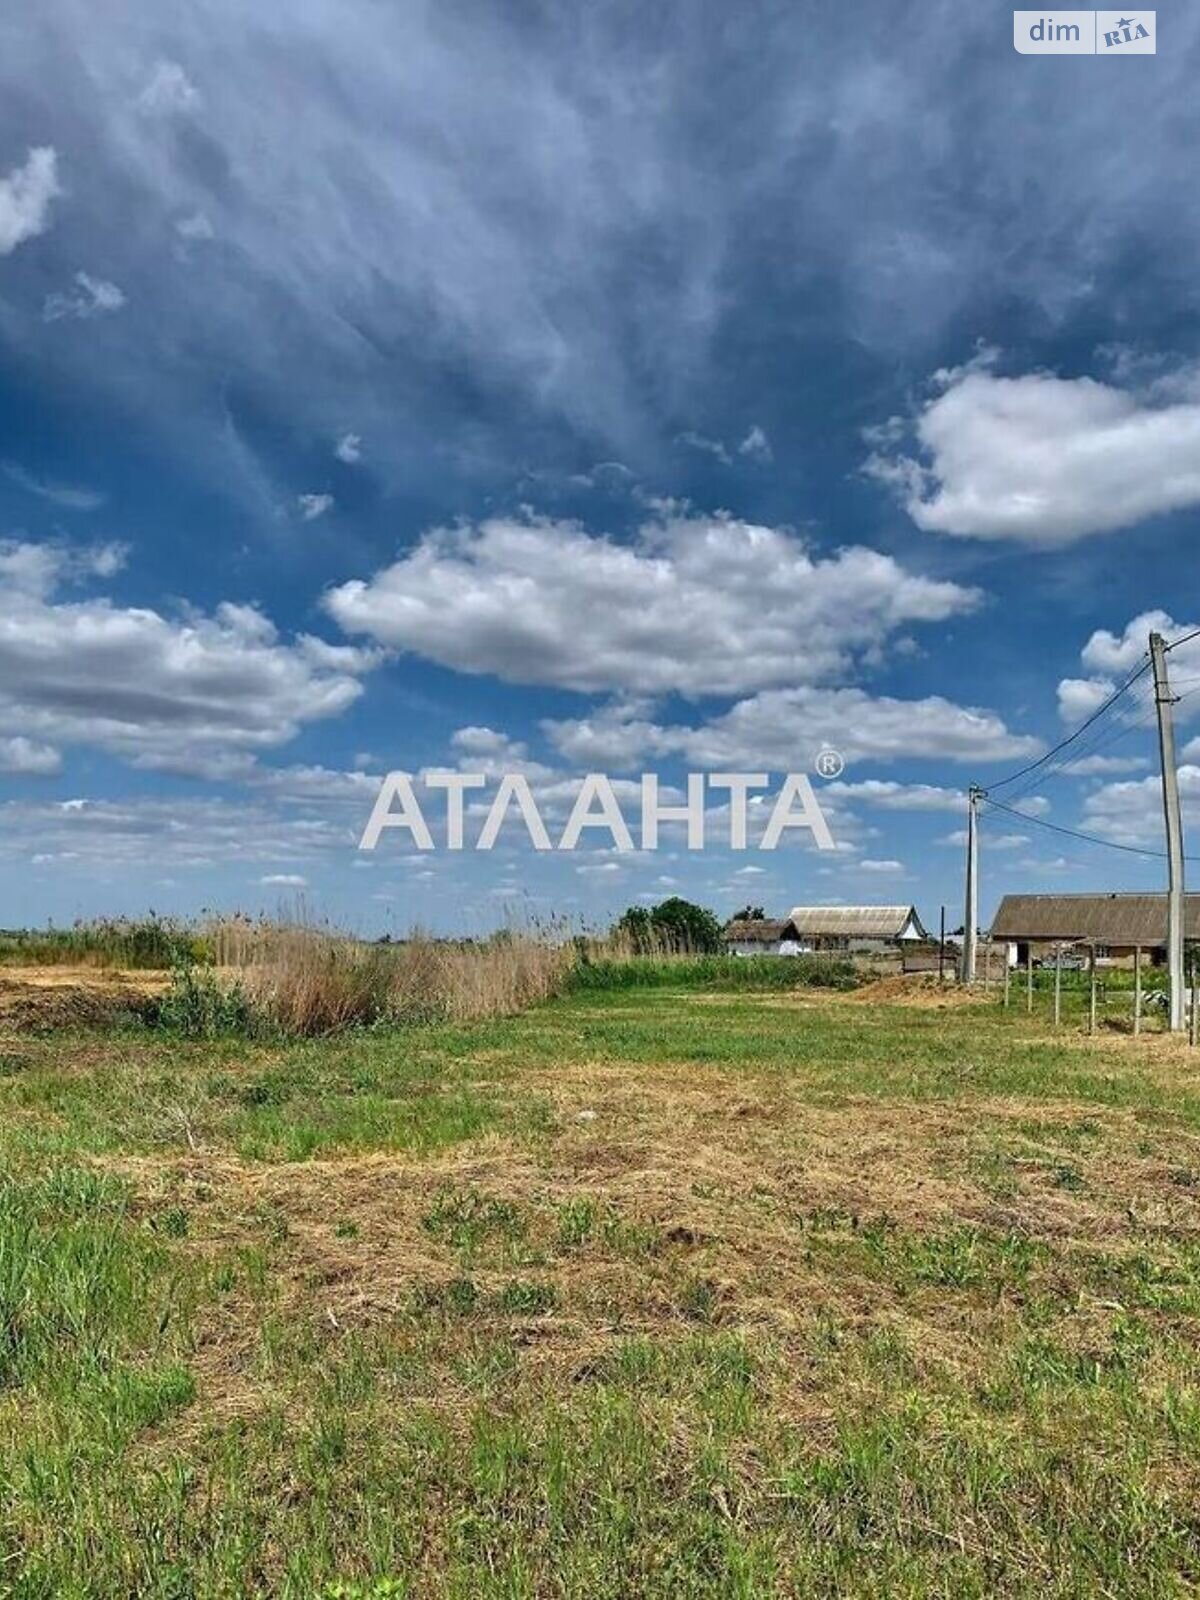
(715, 972)
(691, 1346)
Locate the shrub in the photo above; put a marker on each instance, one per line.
(199, 1006)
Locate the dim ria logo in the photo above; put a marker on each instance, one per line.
(597, 809)
(1084, 33)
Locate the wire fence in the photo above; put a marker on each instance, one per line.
(1072, 991)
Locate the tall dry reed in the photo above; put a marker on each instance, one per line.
(310, 979)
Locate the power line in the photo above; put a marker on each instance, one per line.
(1034, 766)
(1074, 833)
(1138, 671)
(1104, 739)
(1102, 736)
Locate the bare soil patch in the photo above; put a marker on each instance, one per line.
(67, 996)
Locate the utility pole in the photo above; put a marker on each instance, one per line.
(1164, 700)
(971, 916)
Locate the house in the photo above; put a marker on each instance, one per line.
(1114, 924)
(760, 936)
(862, 930)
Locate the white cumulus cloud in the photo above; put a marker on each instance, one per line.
(777, 728)
(198, 693)
(695, 605)
(1042, 459)
(1109, 659)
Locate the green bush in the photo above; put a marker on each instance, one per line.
(198, 1006)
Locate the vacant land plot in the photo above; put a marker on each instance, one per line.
(641, 1293)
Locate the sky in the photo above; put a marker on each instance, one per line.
(555, 390)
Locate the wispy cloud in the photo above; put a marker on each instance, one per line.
(711, 447)
(26, 756)
(91, 297)
(168, 91)
(25, 196)
(195, 225)
(313, 506)
(71, 497)
(756, 445)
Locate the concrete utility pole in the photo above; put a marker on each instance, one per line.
(971, 915)
(1170, 786)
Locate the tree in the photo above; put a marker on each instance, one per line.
(674, 926)
(749, 914)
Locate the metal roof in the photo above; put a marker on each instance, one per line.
(756, 930)
(855, 922)
(1129, 919)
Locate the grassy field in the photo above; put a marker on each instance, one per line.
(646, 1292)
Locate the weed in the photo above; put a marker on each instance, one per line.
(198, 1006)
(467, 1220)
(524, 1299)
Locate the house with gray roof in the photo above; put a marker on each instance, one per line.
(1115, 925)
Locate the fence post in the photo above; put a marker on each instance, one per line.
(1057, 985)
(1092, 997)
(1137, 988)
(1029, 977)
(1007, 977)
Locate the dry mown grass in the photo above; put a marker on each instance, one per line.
(724, 1182)
(846, 1300)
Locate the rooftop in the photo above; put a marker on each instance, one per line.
(1129, 919)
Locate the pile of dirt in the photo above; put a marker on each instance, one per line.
(919, 989)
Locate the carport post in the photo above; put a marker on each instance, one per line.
(1137, 988)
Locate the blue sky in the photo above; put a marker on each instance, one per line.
(582, 388)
